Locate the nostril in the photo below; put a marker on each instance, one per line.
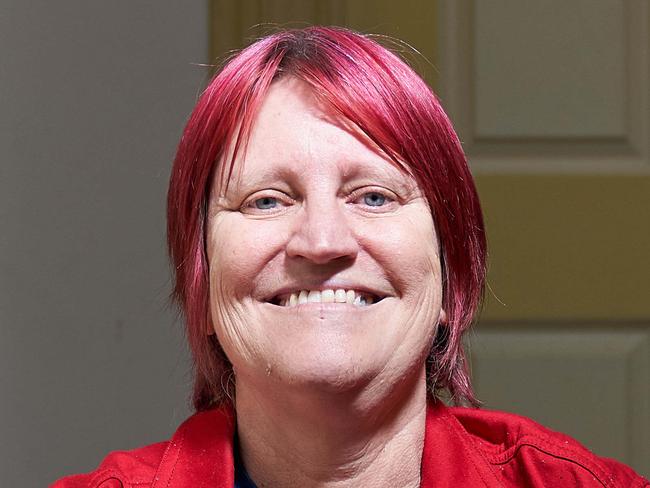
(322, 238)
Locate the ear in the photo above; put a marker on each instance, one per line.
(209, 327)
(442, 318)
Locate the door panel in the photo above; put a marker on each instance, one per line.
(587, 380)
(546, 87)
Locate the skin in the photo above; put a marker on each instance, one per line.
(327, 394)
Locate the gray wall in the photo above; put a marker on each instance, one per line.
(93, 97)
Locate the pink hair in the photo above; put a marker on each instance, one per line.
(374, 89)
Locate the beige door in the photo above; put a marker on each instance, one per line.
(552, 102)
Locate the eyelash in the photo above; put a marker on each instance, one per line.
(356, 195)
(389, 197)
(280, 197)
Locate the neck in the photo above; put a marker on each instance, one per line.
(325, 439)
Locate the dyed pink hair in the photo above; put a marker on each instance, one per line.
(377, 92)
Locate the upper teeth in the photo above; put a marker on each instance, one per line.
(326, 296)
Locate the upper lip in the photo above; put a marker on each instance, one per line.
(332, 285)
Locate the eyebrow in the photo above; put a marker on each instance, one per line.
(280, 174)
(396, 176)
(270, 174)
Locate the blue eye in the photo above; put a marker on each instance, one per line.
(374, 199)
(266, 203)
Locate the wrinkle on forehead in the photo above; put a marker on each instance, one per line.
(230, 172)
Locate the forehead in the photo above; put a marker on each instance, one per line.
(295, 131)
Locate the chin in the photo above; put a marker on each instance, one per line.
(325, 373)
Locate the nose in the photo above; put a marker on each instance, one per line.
(322, 234)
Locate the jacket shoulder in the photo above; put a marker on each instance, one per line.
(523, 452)
(120, 469)
(200, 443)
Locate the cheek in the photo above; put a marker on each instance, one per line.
(406, 248)
(238, 250)
(237, 253)
(407, 251)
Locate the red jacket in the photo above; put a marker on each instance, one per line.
(463, 447)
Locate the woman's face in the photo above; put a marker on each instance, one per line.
(324, 264)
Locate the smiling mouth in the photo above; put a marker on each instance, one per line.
(351, 297)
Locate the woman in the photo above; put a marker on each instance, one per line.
(329, 254)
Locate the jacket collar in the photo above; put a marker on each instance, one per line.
(200, 454)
